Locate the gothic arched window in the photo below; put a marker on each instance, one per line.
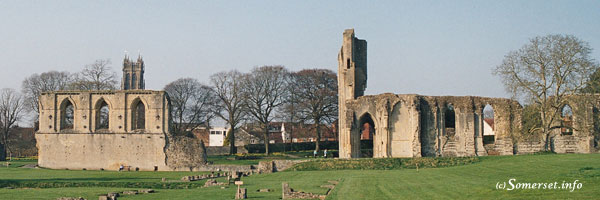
(102, 115)
(138, 115)
(67, 115)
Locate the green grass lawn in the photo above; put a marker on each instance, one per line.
(257, 157)
(471, 181)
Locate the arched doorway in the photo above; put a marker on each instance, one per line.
(367, 135)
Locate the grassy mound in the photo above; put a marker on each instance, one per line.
(382, 163)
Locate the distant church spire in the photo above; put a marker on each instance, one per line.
(133, 74)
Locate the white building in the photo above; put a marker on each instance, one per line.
(217, 136)
(285, 136)
(488, 131)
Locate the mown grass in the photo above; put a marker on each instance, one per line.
(476, 180)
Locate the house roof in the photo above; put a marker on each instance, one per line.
(489, 121)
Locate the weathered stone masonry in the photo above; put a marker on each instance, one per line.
(410, 125)
(107, 129)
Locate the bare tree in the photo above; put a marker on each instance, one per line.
(34, 85)
(11, 110)
(192, 104)
(290, 111)
(546, 71)
(318, 97)
(265, 91)
(230, 105)
(96, 76)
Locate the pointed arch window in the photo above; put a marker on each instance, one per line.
(67, 115)
(138, 115)
(102, 115)
(450, 117)
(133, 81)
(566, 120)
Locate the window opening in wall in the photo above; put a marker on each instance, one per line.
(566, 123)
(367, 134)
(67, 115)
(348, 64)
(102, 115)
(488, 125)
(139, 116)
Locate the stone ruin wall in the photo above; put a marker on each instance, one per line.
(413, 125)
(84, 147)
(586, 126)
(409, 125)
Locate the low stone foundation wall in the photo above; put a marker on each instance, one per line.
(217, 168)
(529, 147)
(572, 144)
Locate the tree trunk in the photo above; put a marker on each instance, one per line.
(2, 152)
(232, 149)
(292, 137)
(317, 130)
(545, 131)
(266, 136)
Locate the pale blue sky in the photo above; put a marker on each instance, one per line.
(423, 47)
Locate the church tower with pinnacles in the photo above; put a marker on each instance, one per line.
(133, 74)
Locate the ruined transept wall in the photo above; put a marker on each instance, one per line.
(82, 145)
(586, 125)
(413, 125)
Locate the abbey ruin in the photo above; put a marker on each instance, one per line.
(410, 125)
(131, 127)
(113, 128)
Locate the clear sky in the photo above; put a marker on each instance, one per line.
(423, 47)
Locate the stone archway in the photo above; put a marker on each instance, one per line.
(367, 135)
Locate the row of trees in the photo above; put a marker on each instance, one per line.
(262, 95)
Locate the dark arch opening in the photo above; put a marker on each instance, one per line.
(67, 115)
(450, 120)
(566, 120)
(138, 116)
(427, 135)
(126, 84)
(347, 63)
(102, 115)
(367, 134)
(450, 117)
(133, 81)
(489, 134)
(596, 118)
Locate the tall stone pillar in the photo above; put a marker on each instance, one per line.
(352, 81)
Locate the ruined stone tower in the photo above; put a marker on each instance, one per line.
(133, 74)
(352, 82)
